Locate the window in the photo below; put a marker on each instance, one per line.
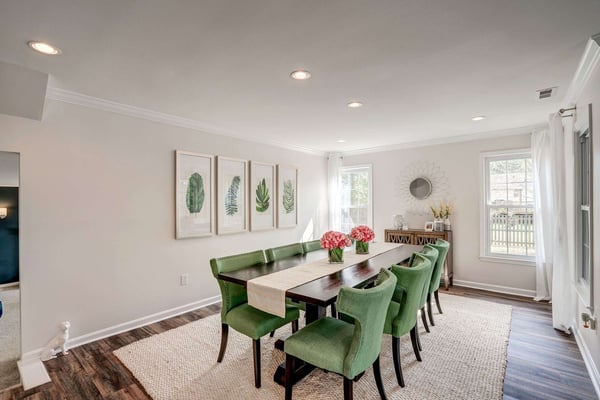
(507, 212)
(355, 197)
(583, 182)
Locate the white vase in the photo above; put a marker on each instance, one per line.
(447, 226)
(438, 225)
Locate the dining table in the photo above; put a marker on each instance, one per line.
(319, 293)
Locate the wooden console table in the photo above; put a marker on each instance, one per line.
(421, 237)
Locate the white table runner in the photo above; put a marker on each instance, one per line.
(267, 293)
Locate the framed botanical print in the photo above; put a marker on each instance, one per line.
(262, 196)
(287, 196)
(194, 188)
(232, 195)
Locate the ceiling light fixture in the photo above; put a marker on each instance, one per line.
(355, 104)
(478, 118)
(300, 74)
(44, 48)
(341, 141)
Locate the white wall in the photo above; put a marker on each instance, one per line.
(460, 163)
(97, 217)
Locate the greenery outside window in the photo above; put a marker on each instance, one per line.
(507, 219)
(355, 197)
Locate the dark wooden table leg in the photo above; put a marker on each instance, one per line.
(301, 369)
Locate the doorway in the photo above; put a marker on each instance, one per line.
(10, 296)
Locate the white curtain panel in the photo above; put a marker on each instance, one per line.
(333, 172)
(554, 273)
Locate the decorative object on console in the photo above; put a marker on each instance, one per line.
(398, 220)
(335, 242)
(362, 235)
(428, 226)
(58, 344)
(193, 195)
(441, 215)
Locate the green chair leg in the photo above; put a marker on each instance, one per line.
(224, 334)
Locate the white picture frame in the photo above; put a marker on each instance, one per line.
(428, 226)
(287, 196)
(194, 191)
(262, 195)
(232, 195)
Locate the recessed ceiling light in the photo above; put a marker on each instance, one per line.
(341, 141)
(478, 118)
(355, 104)
(300, 74)
(44, 48)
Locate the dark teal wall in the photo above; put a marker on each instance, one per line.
(9, 236)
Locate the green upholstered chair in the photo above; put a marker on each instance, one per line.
(237, 313)
(313, 245)
(289, 250)
(346, 348)
(431, 253)
(401, 315)
(442, 246)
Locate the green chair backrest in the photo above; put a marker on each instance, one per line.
(313, 245)
(289, 250)
(364, 307)
(407, 294)
(442, 247)
(431, 253)
(232, 294)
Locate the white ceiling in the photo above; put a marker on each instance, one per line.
(423, 68)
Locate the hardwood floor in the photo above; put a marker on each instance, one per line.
(542, 363)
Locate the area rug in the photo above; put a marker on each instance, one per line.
(10, 333)
(464, 357)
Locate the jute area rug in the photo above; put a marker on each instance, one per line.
(464, 357)
(10, 333)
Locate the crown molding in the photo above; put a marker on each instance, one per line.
(587, 65)
(452, 139)
(79, 99)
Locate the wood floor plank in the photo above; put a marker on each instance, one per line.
(542, 363)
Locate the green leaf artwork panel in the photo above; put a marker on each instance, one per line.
(231, 197)
(289, 198)
(262, 196)
(194, 197)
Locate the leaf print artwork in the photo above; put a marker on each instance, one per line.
(288, 196)
(262, 196)
(231, 198)
(194, 198)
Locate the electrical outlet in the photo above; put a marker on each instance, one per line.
(183, 279)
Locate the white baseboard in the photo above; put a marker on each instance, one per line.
(34, 355)
(587, 358)
(495, 288)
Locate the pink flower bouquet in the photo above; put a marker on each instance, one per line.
(335, 242)
(362, 234)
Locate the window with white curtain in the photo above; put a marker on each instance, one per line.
(355, 197)
(507, 223)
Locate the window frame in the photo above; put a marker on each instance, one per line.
(346, 168)
(584, 287)
(484, 254)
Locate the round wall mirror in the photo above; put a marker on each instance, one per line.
(420, 188)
